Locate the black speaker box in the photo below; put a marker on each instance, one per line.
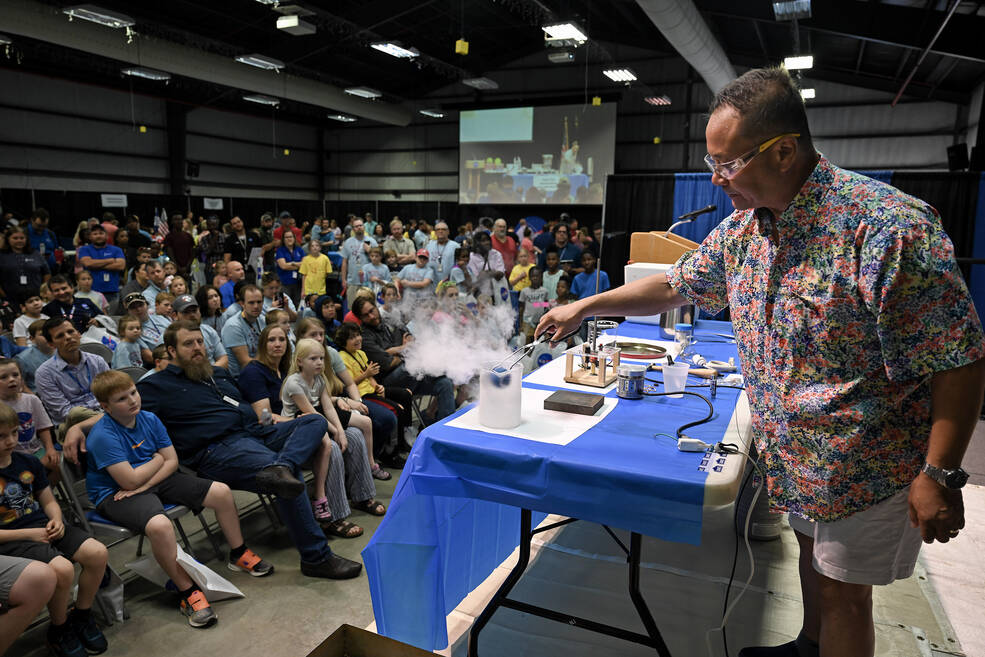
(957, 157)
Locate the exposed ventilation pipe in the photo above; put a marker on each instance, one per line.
(45, 23)
(682, 25)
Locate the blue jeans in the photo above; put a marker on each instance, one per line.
(237, 458)
(440, 387)
(384, 424)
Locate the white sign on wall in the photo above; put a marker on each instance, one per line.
(212, 203)
(114, 200)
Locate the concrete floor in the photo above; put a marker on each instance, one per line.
(936, 612)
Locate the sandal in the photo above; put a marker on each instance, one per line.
(343, 529)
(370, 506)
(380, 473)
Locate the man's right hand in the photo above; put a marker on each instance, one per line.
(560, 321)
(75, 441)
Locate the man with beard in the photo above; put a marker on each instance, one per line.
(355, 254)
(217, 434)
(384, 344)
(104, 261)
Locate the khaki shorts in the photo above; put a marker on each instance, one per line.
(876, 546)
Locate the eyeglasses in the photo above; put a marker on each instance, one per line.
(731, 169)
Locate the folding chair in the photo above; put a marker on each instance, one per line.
(74, 487)
(99, 350)
(134, 372)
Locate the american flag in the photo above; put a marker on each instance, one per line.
(161, 222)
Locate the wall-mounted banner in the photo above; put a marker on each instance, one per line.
(212, 203)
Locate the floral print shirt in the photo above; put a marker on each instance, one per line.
(843, 308)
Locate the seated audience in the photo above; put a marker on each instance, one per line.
(32, 527)
(84, 280)
(216, 433)
(156, 283)
(241, 333)
(274, 296)
(31, 305)
(331, 326)
(81, 312)
(138, 281)
(236, 273)
(164, 306)
(36, 353)
(133, 473)
(178, 286)
(152, 327)
(186, 307)
(63, 380)
(161, 360)
(210, 306)
(129, 352)
(278, 317)
(384, 344)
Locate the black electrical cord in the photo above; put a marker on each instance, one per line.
(680, 430)
(735, 556)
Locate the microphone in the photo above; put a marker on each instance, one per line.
(695, 213)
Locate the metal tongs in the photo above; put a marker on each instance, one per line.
(517, 355)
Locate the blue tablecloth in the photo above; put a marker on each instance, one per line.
(454, 516)
(525, 181)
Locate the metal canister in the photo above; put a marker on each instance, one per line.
(629, 382)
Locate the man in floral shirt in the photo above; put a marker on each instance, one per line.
(861, 348)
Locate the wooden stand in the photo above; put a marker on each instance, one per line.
(601, 374)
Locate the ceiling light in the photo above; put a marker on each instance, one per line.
(807, 94)
(261, 61)
(792, 10)
(799, 62)
(619, 74)
(483, 84)
(363, 92)
(263, 100)
(395, 49)
(658, 100)
(294, 24)
(344, 118)
(562, 56)
(147, 73)
(269, 2)
(433, 113)
(567, 32)
(99, 15)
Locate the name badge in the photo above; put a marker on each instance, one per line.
(294, 274)
(106, 278)
(229, 400)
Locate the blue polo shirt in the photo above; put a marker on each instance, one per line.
(103, 280)
(45, 237)
(226, 292)
(197, 413)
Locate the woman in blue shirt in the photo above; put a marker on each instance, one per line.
(289, 256)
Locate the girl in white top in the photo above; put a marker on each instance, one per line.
(306, 390)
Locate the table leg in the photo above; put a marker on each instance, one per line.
(635, 549)
(504, 590)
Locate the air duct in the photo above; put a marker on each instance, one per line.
(682, 25)
(44, 23)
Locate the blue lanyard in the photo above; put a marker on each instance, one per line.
(85, 388)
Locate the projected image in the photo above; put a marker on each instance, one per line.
(536, 155)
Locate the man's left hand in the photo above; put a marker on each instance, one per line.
(936, 510)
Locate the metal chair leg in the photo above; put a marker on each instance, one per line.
(212, 538)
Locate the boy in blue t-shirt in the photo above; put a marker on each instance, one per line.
(31, 527)
(133, 474)
(583, 285)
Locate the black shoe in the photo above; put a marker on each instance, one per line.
(278, 480)
(394, 460)
(89, 634)
(63, 642)
(334, 567)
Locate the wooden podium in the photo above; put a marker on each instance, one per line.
(658, 246)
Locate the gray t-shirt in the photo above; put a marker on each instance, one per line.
(353, 251)
(237, 332)
(414, 273)
(338, 366)
(534, 303)
(127, 354)
(296, 385)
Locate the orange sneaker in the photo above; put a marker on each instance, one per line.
(198, 610)
(250, 563)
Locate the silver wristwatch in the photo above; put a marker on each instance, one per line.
(953, 479)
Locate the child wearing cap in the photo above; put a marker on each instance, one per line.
(417, 280)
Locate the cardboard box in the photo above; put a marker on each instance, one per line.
(349, 641)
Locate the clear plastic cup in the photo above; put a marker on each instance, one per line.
(499, 395)
(675, 377)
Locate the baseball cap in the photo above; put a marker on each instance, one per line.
(184, 302)
(132, 298)
(424, 252)
(285, 214)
